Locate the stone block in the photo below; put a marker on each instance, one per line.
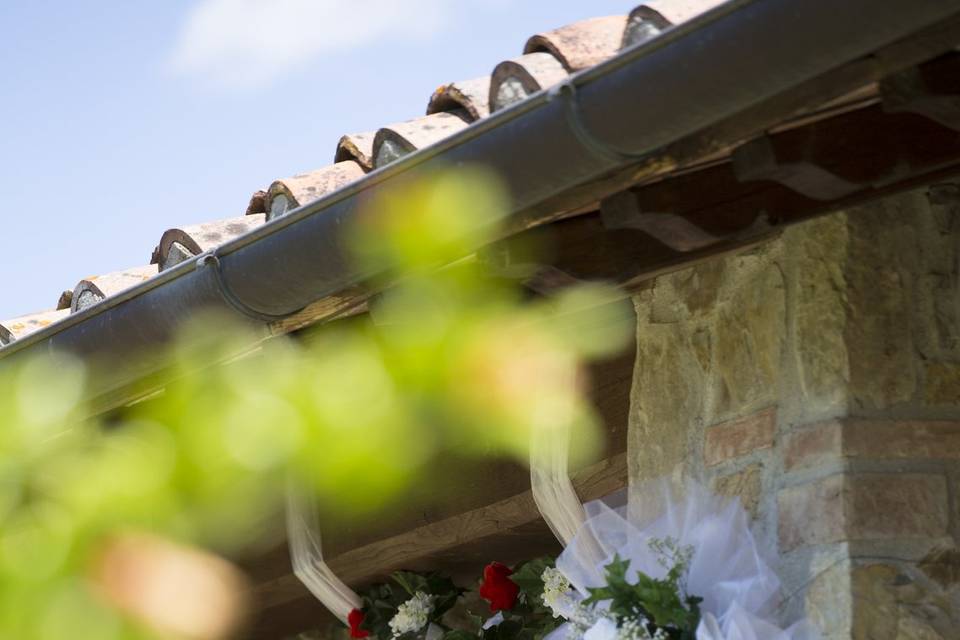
(737, 438)
(942, 384)
(749, 332)
(745, 485)
(898, 602)
(811, 513)
(665, 401)
(832, 440)
(828, 600)
(816, 253)
(869, 506)
(902, 439)
(813, 446)
(896, 505)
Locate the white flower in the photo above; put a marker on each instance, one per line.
(412, 615)
(555, 587)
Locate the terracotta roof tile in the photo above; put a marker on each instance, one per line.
(676, 11)
(473, 96)
(581, 44)
(357, 147)
(548, 58)
(65, 298)
(258, 203)
(90, 291)
(650, 18)
(177, 245)
(17, 328)
(514, 80)
(290, 193)
(399, 139)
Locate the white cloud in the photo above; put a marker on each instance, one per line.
(249, 42)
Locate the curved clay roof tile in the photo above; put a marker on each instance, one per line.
(357, 147)
(17, 328)
(514, 80)
(397, 140)
(258, 203)
(289, 193)
(178, 245)
(650, 18)
(469, 95)
(90, 291)
(581, 44)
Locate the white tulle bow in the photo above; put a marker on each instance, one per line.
(740, 591)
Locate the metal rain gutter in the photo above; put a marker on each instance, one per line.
(602, 119)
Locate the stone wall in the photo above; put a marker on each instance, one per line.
(817, 378)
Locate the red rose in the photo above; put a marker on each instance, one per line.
(499, 590)
(355, 618)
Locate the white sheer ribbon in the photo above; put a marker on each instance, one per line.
(306, 554)
(550, 483)
(553, 492)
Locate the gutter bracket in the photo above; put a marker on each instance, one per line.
(210, 261)
(566, 90)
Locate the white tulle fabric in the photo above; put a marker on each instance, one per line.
(739, 589)
(306, 554)
(550, 484)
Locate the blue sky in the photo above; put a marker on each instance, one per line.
(122, 119)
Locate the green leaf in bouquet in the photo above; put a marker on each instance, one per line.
(660, 601)
(410, 582)
(527, 576)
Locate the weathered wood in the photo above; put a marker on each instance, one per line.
(848, 153)
(759, 159)
(931, 90)
(583, 249)
(351, 302)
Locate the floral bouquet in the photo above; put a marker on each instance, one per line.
(672, 568)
